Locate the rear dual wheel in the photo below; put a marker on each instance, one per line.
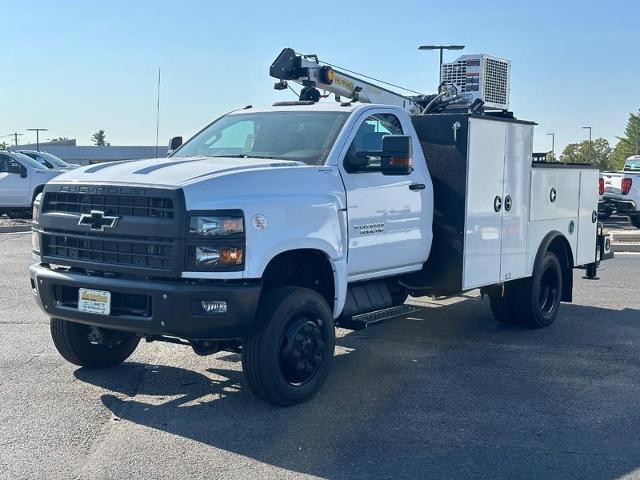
(532, 302)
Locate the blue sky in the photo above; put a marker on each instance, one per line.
(75, 67)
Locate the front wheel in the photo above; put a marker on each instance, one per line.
(287, 358)
(92, 347)
(538, 297)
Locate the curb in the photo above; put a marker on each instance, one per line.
(625, 237)
(16, 229)
(625, 247)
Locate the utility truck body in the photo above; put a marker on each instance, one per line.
(272, 225)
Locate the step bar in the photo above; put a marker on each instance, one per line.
(366, 320)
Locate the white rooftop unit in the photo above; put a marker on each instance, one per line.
(480, 76)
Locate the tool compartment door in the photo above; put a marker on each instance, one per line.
(588, 212)
(517, 171)
(485, 186)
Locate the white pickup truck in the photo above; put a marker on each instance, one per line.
(273, 225)
(21, 180)
(622, 190)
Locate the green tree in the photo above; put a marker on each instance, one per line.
(551, 157)
(4, 146)
(627, 145)
(99, 138)
(599, 152)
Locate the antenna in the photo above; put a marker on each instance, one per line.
(158, 114)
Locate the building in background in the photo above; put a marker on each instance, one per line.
(86, 154)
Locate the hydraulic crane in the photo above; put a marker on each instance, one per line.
(314, 76)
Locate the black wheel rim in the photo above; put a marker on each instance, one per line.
(301, 348)
(549, 291)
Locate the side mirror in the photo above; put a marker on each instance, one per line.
(174, 144)
(23, 172)
(397, 155)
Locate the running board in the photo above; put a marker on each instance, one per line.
(365, 320)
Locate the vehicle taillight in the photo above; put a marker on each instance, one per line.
(601, 186)
(626, 185)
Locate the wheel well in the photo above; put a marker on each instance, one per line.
(36, 191)
(301, 268)
(561, 248)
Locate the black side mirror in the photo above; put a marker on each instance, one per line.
(23, 172)
(174, 144)
(397, 155)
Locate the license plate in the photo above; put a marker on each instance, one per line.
(94, 301)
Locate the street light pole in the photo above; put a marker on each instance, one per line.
(37, 130)
(553, 144)
(441, 48)
(589, 128)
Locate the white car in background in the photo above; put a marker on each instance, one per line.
(21, 180)
(622, 190)
(49, 160)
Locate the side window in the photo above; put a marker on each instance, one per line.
(4, 164)
(368, 141)
(13, 166)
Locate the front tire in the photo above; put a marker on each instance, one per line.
(287, 358)
(538, 297)
(92, 347)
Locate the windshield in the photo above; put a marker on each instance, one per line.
(299, 136)
(28, 161)
(58, 162)
(632, 164)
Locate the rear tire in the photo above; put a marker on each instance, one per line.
(635, 221)
(538, 297)
(92, 347)
(287, 358)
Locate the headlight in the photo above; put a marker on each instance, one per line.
(36, 207)
(35, 242)
(211, 256)
(212, 225)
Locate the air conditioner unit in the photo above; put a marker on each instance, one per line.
(480, 76)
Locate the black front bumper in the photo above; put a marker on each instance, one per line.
(150, 307)
(622, 206)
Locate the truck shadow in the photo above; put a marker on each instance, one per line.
(444, 393)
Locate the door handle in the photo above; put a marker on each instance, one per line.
(508, 203)
(417, 186)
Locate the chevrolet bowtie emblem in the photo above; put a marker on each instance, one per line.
(97, 220)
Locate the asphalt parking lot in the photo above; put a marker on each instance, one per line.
(445, 393)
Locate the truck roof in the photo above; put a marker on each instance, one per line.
(327, 106)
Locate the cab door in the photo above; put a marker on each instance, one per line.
(384, 212)
(14, 188)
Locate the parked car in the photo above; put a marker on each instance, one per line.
(49, 160)
(21, 179)
(622, 190)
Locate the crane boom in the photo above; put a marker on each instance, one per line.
(307, 71)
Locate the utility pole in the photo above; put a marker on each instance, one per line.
(589, 128)
(441, 48)
(553, 144)
(37, 130)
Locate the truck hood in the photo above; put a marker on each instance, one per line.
(167, 172)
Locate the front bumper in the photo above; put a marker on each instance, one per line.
(150, 307)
